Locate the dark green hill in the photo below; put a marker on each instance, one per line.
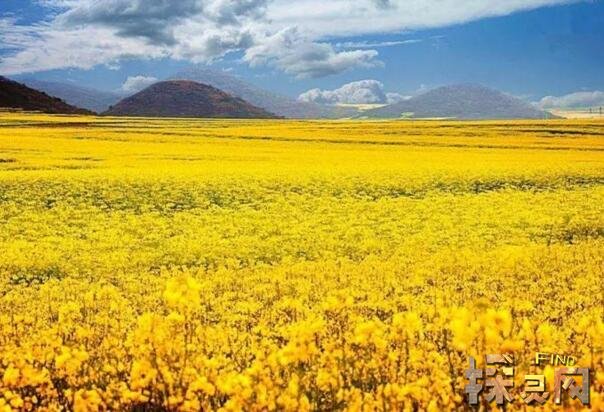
(18, 96)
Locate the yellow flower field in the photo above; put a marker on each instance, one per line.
(189, 265)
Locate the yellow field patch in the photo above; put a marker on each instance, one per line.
(292, 265)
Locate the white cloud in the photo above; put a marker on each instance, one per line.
(396, 97)
(135, 84)
(360, 92)
(157, 20)
(44, 47)
(373, 45)
(296, 54)
(358, 17)
(86, 33)
(152, 19)
(573, 100)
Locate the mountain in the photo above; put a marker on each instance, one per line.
(464, 101)
(272, 102)
(19, 96)
(91, 99)
(184, 98)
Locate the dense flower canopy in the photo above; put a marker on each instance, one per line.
(281, 265)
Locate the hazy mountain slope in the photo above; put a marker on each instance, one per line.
(183, 98)
(19, 96)
(465, 101)
(87, 98)
(273, 102)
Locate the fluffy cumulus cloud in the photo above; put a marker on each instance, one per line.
(159, 20)
(135, 84)
(395, 97)
(86, 33)
(360, 92)
(573, 100)
(45, 47)
(291, 36)
(154, 20)
(291, 51)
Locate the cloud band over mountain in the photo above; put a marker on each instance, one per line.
(573, 100)
(360, 92)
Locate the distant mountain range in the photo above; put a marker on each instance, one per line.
(464, 101)
(184, 95)
(18, 96)
(274, 103)
(185, 98)
(96, 100)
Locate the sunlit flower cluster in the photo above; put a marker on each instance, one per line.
(191, 265)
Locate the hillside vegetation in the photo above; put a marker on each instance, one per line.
(15, 95)
(183, 98)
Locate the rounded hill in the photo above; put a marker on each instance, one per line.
(462, 101)
(185, 98)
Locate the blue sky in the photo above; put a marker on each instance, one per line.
(531, 48)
